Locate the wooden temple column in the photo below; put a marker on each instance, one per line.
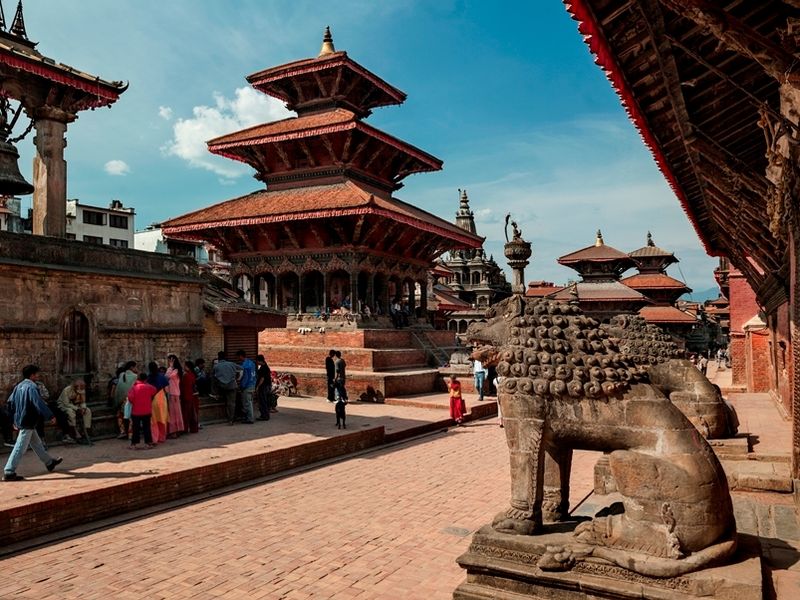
(370, 299)
(256, 289)
(50, 172)
(412, 298)
(423, 300)
(353, 291)
(300, 292)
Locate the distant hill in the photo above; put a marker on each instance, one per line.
(702, 295)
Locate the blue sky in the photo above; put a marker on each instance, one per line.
(506, 94)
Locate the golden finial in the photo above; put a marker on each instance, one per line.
(327, 43)
(599, 240)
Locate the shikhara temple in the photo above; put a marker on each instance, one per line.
(327, 231)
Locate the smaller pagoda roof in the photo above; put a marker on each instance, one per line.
(600, 291)
(597, 252)
(540, 289)
(642, 281)
(650, 250)
(330, 78)
(448, 300)
(666, 314)
(264, 139)
(313, 202)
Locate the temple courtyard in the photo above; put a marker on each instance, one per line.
(384, 517)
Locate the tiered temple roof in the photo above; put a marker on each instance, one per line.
(652, 279)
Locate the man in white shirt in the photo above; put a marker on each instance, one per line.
(480, 375)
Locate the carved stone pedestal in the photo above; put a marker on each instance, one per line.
(503, 567)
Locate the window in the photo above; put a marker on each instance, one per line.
(75, 343)
(118, 243)
(118, 221)
(91, 217)
(70, 236)
(92, 239)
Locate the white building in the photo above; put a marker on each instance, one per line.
(152, 239)
(113, 226)
(10, 214)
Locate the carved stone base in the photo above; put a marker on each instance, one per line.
(504, 567)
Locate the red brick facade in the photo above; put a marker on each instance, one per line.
(743, 307)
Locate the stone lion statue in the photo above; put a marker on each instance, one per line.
(565, 384)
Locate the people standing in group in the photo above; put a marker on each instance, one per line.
(72, 402)
(159, 417)
(340, 375)
(125, 382)
(247, 383)
(141, 397)
(330, 373)
(225, 376)
(174, 374)
(479, 375)
(457, 406)
(263, 387)
(190, 399)
(203, 381)
(26, 406)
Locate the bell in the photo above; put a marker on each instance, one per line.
(11, 181)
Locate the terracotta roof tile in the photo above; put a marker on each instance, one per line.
(650, 251)
(654, 280)
(599, 253)
(292, 125)
(665, 314)
(601, 290)
(321, 201)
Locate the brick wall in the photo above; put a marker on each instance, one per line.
(213, 339)
(359, 338)
(758, 361)
(358, 359)
(743, 307)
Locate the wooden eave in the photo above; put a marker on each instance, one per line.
(697, 103)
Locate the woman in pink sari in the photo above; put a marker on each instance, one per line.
(158, 418)
(174, 374)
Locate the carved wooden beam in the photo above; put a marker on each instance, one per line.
(346, 147)
(374, 156)
(279, 150)
(245, 238)
(730, 166)
(411, 248)
(290, 234)
(737, 36)
(300, 96)
(378, 224)
(326, 141)
(337, 227)
(359, 149)
(317, 235)
(320, 84)
(265, 235)
(337, 82)
(307, 152)
(387, 234)
(358, 227)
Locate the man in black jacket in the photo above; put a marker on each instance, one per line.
(330, 372)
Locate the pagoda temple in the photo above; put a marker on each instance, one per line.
(327, 231)
(600, 293)
(652, 281)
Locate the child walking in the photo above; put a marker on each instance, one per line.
(341, 416)
(457, 408)
(141, 398)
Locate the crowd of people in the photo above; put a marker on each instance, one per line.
(152, 404)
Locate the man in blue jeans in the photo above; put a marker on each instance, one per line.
(480, 375)
(26, 406)
(248, 385)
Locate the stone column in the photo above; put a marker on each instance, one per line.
(371, 291)
(354, 291)
(324, 291)
(300, 292)
(50, 172)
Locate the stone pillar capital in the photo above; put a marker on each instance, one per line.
(52, 113)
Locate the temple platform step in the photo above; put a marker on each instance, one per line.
(323, 337)
(288, 357)
(314, 382)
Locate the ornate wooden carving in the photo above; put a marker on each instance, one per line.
(337, 82)
(309, 156)
(378, 224)
(317, 236)
(243, 235)
(358, 227)
(281, 152)
(311, 265)
(290, 234)
(737, 36)
(337, 227)
(320, 84)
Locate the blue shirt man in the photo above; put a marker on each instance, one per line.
(25, 406)
(247, 383)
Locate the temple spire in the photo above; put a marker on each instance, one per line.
(18, 24)
(650, 239)
(599, 240)
(464, 217)
(327, 43)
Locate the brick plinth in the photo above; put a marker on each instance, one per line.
(360, 338)
(420, 381)
(287, 358)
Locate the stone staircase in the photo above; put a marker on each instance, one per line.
(437, 357)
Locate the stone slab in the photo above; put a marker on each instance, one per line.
(503, 567)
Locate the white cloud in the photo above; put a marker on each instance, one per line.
(247, 108)
(165, 112)
(117, 167)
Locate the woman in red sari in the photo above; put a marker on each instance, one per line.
(456, 401)
(190, 400)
